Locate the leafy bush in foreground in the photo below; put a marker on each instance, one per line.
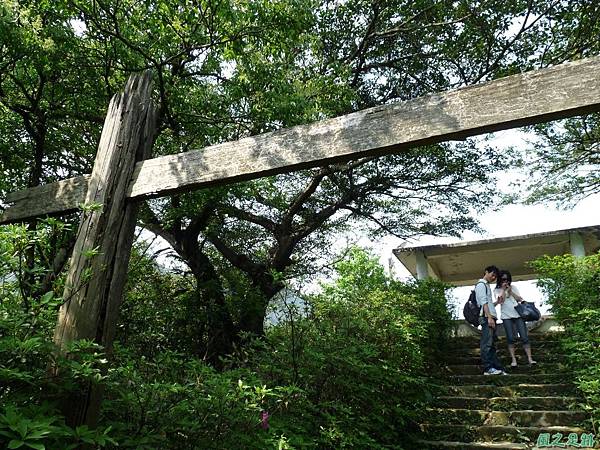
(573, 288)
(348, 373)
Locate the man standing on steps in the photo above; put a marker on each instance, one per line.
(487, 319)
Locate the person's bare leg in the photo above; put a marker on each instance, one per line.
(527, 349)
(511, 350)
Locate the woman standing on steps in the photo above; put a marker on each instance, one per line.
(510, 317)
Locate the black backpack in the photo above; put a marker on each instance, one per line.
(472, 310)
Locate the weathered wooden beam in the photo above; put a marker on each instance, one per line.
(98, 267)
(558, 92)
(60, 197)
(538, 96)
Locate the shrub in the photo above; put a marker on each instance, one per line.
(29, 394)
(359, 358)
(573, 288)
(179, 402)
(347, 373)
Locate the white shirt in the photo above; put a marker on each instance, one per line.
(508, 310)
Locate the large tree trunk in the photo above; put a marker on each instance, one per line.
(98, 267)
(252, 318)
(222, 334)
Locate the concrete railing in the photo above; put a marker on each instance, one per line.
(547, 324)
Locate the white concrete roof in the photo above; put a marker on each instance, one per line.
(462, 263)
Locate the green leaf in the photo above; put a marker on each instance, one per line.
(15, 443)
(37, 446)
(47, 297)
(22, 428)
(38, 434)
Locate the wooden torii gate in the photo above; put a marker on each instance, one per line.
(122, 175)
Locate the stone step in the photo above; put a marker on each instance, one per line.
(503, 343)
(509, 403)
(536, 347)
(522, 418)
(505, 380)
(523, 390)
(474, 369)
(505, 357)
(534, 337)
(492, 433)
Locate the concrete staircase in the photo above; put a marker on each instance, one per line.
(476, 411)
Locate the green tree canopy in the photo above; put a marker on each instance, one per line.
(565, 159)
(225, 70)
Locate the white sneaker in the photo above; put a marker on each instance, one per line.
(492, 371)
(502, 372)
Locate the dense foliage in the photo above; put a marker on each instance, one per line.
(28, 391)
(573, 288)
(345, 371)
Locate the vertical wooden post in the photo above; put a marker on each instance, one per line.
(98, 266)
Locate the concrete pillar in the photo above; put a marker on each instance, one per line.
(422, 269)
(577, 247)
